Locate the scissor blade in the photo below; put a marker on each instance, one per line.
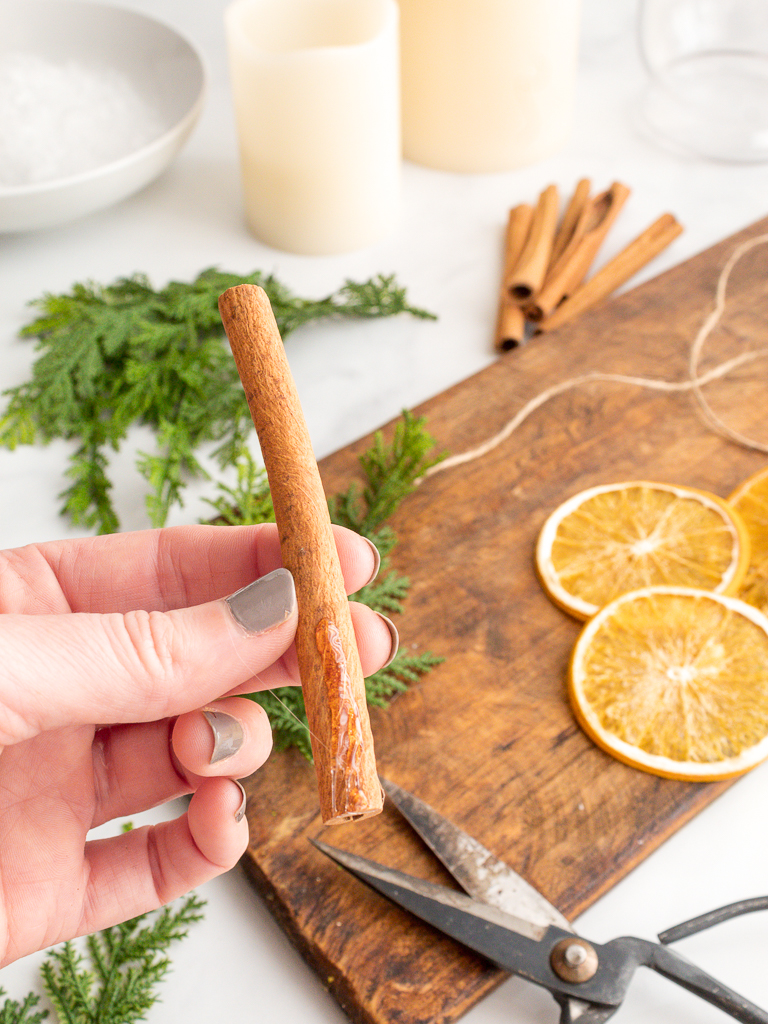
(474, 867)
(437, 903)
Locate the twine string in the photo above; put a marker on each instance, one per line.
(707, 327)
(694, 383)
(304, 725)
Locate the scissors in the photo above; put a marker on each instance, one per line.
(505, 919)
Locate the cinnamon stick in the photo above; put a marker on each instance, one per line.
(573, 219)
(528, 275)
(569, 270)
(510, 323)
(616, 271)
(329, 664)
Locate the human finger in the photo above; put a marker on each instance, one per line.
(377, 638)
(181, 751)
(158, 570)
(141, 766)
(230, 737)
(143, 869)
(141, 666)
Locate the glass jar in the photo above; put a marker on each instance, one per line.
(708, 67)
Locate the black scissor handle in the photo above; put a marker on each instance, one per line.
(672, 966)
(704, 921)
(666, 962)
(572, 1012)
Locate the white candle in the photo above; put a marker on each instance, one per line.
(317, 105)
(487, 84)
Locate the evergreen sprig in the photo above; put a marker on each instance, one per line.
(391, 473)
(117, 982)
(248, 501)
(13, 1012)
(123, 354)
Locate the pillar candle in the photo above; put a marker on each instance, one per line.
(487, 84)
(317, 105)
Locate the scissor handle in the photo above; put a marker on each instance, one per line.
(713, 917)
(668, 963)
(571, 1012)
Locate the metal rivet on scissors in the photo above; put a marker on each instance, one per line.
(509, 922)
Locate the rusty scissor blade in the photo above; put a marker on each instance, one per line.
(432, 903)
(476, 869)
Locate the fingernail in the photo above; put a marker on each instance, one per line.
(265, 603)
(240, 812)
(228, 735)
(395, 638)
(376, 560)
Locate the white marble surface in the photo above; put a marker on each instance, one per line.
(237, 965)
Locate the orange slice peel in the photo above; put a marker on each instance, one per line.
(674, 681)
(751, 502)
(615, 538)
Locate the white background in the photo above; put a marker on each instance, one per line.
(237, 965)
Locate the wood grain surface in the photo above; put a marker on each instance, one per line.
(488, 737)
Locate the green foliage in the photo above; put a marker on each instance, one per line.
(394, 679)
(12, 1012)
(248, 501)
(115, 356)
(123, 354)
(387, 592)
(288, 718)
(117, 983)
(391, 473)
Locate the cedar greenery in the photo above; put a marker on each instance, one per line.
(117, 982)
(123, 354)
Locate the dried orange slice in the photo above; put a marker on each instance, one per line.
(751, 502)
(674, 681)
(611, 539)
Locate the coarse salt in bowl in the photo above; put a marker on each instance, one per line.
(95, 102)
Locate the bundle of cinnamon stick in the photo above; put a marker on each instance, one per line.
(547, 259)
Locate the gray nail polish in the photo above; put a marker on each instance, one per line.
(227, 732)
(240, 812)
(265, 603)
(376, 560)
(395, 638)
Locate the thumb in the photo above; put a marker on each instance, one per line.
(85, 669)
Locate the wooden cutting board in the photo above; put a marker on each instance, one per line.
(488, 737)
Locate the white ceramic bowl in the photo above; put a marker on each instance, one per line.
(160, 69)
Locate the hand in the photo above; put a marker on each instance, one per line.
(110, 648)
